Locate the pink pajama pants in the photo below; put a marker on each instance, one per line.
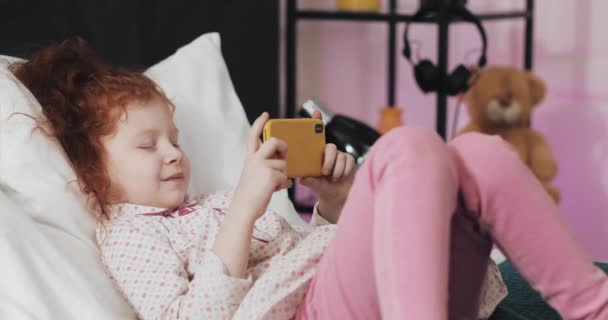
(404, 249)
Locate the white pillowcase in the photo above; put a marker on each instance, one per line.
(50, 266)
(53, 270)
(47, 273)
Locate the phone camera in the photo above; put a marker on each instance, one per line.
(318, 128)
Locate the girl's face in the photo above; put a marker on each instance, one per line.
(144, 160)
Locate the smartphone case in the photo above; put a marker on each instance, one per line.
(306, 144)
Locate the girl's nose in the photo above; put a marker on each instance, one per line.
(175, 155)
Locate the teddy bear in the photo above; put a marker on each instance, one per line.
(500, 101)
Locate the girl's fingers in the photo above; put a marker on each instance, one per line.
(280, 180)
(317, 115)
(273, 148)
(277, 164)
(253, 142)
(286, 185)
(331, 152)
(350, 165)
(339, 166)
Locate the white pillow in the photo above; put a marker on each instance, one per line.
(50, 264)
(46, 273)
(35, 170)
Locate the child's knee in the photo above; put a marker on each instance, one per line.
(486, 164)
(412, 148)
(410, 141)
(484, 149)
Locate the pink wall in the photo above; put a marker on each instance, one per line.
(343, 63)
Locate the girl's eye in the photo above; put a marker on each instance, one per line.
(146, 147)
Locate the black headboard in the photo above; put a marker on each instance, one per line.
(139, 33)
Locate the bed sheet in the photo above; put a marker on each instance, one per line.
(523, 302)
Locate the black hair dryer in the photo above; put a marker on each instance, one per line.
(349, 135)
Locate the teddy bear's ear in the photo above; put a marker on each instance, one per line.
(538, 89)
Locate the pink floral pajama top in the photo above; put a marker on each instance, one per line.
(163, 264)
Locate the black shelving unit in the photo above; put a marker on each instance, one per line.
(392, 18)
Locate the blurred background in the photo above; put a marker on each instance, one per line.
(344, 64)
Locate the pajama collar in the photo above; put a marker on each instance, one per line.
(141, 210)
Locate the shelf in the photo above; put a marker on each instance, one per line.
(387, 17)
(391, 18)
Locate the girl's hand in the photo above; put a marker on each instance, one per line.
(264, 172)
(332, 188)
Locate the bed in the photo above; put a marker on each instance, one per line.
(49, 262)
(523, 303)
(201, 53)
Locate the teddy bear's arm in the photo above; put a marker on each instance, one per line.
(542, 162)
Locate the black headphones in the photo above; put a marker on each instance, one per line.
(427, 74)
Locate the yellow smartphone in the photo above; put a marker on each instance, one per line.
(305, 140)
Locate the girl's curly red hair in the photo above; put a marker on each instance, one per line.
(82, 99)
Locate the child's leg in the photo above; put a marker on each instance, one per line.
(389, 258)
(524, 222)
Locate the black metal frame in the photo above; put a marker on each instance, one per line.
(443, 21)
